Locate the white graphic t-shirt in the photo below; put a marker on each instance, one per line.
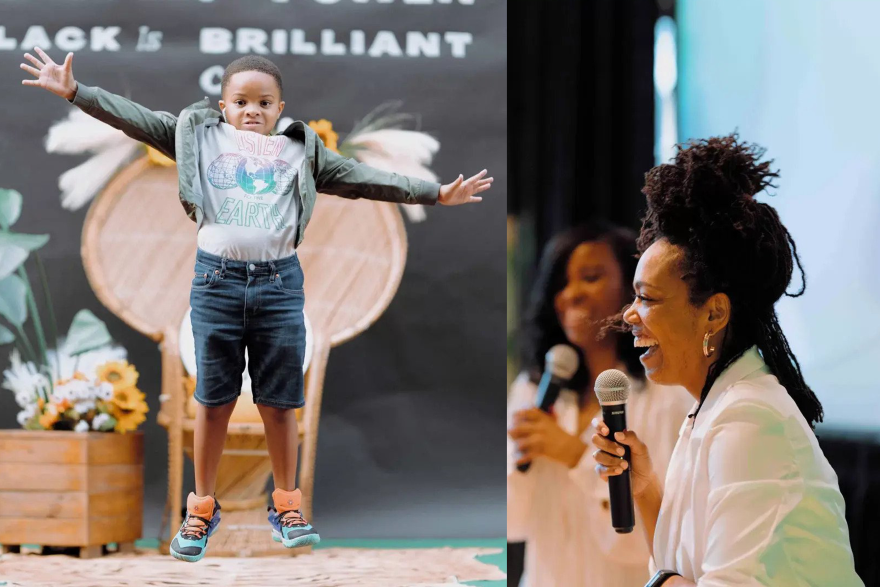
(251, 194)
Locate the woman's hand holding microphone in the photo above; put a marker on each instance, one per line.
(609, 457)
(536, 433)
(646, 488)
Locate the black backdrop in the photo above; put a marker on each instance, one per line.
(582, 113)
(403, 448)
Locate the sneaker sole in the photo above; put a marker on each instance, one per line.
(190, 558)
(307, 540)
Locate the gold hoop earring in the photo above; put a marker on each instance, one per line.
(708, 351)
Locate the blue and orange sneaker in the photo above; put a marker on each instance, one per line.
(202, 518)
(288, 525)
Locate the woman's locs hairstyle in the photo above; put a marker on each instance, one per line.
(704, 202)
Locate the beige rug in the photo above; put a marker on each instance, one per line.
(332, 567)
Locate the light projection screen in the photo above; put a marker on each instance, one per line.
(802, 78)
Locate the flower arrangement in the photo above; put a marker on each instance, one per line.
(108, 401)
(102, 394)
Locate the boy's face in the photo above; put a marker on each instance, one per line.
(252, 101)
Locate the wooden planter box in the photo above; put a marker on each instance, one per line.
(60, 488)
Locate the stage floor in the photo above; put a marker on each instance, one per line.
(336, 563)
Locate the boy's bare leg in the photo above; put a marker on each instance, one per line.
(209, 439)
(282, 437)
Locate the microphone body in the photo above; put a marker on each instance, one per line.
(561, 364)
(619, 486)
(612, 389)
(548, 391)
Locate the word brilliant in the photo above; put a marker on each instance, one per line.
(296, 42)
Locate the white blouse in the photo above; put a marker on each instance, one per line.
(749, 497)
(563, 514)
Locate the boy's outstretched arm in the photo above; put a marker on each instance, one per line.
(337, 175)
(142, 124)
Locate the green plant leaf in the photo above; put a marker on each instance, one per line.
(12, 300)
(6, 335)
(87, 333)
(30, 242)
(10, 208)
(11, 258)
(14, 249)
(108, 425)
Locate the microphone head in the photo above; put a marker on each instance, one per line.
(612, 387)
(561, 361)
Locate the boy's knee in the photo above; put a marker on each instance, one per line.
(219, 412)
(274, 412)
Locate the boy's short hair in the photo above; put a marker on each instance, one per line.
(252, 63)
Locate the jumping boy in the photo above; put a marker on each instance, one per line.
(251, 193)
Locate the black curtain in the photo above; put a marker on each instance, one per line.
(581, 119)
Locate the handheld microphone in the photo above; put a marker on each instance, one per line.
(560, 364)
(612, 389)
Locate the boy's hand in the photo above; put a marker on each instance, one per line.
(58, 79)
(463, 191)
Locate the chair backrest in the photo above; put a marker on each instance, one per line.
(139, 248)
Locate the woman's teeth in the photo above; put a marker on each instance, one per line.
(644, 342)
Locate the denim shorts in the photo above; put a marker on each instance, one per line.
(258, 305)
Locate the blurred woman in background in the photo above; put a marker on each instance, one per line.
(559, 507)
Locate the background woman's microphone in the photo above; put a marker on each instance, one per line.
(560, 365)
(612, 389)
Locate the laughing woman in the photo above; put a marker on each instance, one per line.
(749, 498)
(559, 507)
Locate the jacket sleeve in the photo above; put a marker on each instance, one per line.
(340, 176)
(155, 129)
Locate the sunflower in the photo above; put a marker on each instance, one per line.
(130, 418)
(324, 128)
(127, 420)
(118, 373)
(128, 398)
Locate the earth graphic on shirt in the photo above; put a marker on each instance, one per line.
(252, 174)
(255, 176)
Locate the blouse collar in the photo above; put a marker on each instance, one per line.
(746, 365)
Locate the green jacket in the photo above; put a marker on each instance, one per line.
(175, 137)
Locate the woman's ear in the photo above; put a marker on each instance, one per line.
(719, 312)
